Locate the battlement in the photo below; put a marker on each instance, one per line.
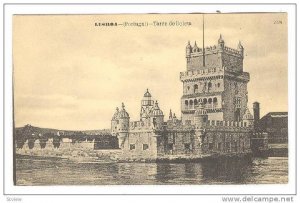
(227, 123)
(212, 73)
(195, 51)
(233, 51)
(208, 49)
(138, 124)
(209, 72)
(141, 126)
(215, 56)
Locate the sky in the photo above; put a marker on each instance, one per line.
(70, 74)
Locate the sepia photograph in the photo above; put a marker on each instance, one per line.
(150, 99)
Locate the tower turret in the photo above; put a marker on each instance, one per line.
(115, 122)
(157, 116)
(120, 125)
(188, 50)
(221, 42)
(170, 115)
(200, 116)
(200, 120)
(195, 48)
(146, 105)
(240, 48)
(248, 118)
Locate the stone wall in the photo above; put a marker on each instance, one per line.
(211, 60)
(234, 90)
(216, 137)
(64, 146)
(232, 62)
(140, 144)
(83, 152)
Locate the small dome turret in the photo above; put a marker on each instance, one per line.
(123, 113)
(116, 114)
(220, 41)
(156, 110)
(147, 93)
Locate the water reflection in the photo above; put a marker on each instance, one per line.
(225, 171)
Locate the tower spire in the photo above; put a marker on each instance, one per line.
(203, 48)
(170, 114)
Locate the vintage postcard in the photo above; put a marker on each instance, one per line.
(167, 99)
(150, 99)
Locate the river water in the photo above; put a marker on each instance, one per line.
(54, 171)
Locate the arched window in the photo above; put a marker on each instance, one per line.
(209, 100)
(215, 100)
(209, 85)
(204, 101)
(195, 88)
(188, 88)
(186, 102)
(196, 102)
(191, 102)
(219, 84)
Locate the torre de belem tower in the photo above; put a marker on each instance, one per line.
(214, 120)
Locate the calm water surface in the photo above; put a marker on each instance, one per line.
(52, 171)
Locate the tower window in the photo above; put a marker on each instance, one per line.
(209, 85)
(186, 102)
(188, 88)
(219, 84)
(195, 88)
(187, 147)
(195, 102)
(237, 102)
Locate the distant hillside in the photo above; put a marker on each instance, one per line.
(50, 130)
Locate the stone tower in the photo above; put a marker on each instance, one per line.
(200, 117)
(200, 121)
(120, 125)
(146, 106)
(220, 83)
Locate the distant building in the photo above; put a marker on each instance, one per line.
(214, 114)
(276, 125)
